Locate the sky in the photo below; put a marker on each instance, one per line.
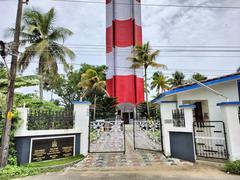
(167, 28)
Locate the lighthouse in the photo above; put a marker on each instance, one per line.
(123, 32)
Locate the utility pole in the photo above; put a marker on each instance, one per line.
(11, 86)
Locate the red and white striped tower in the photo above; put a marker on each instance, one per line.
(124, 31)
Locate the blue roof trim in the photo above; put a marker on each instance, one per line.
(188, 106)
(229, 103)
(80, 102)
(195, 86)
(165, 102)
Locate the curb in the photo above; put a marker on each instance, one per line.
(59, 167)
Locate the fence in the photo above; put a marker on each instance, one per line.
(178, 118)
(45, 120)
(210, 139)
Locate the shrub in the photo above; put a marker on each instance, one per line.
(233, 167)
(10, 172)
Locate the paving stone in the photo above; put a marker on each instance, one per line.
(112, 140)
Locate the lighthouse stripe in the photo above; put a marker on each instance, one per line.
(125, 89)
(109, 14)
(123, 35)
(137, 13)
(122, 63)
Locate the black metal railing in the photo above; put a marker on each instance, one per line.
(210, 139)
(178, 118)
(45, 120)
(239, 113)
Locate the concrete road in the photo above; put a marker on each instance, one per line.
(197, 172)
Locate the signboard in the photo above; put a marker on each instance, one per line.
(51, 148)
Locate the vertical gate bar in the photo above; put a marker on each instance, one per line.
(124, 140)
(195, 140)
(134, 135)
(161, 135)
(89, 134)
(225, 136)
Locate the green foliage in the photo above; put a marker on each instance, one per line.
(21, 81)
(33, 102)
(10, 172)
(57, 162)
(106, 107)
(177, 79)
(144, 57)
(233, 167)
(16, 121)
(42, 36)
(154, 110)
(66, 86)
(13, 171)
(160, 82)
(2, 102)
(199, 77)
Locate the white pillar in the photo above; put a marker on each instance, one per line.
(188, 115)
(23, 114)
(232, 124)
(81, 123)
(166, 116)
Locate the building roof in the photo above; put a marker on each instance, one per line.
(191, 86)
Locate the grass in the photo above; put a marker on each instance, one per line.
(10, 172)
(232, 167)
(56, 162)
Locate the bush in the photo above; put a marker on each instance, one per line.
(10, 172)
(233, 167)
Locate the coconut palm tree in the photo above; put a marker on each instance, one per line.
(160, 82)
(199, 77)
(91, 81)
(177, 79)
(144, 57)
(42, 37)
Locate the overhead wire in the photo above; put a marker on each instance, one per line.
(154, 5)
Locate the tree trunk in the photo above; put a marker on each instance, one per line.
(94, 110)
(146, 90)
(41, 88)
(11, 85)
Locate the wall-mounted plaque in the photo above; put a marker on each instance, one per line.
(51, 148)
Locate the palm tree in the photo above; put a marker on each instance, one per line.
(91, 81)
(160, 82)
(144, 56)
(199, 77)
(42, 38)
(177, 79)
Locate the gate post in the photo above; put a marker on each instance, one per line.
(81, 123)
(232, 124)
(166, 108)
(23, 114)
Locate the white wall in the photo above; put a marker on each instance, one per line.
(228, 89)
(232, 124)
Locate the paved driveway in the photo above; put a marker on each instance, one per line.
(131, 158)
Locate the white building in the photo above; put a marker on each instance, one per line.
(197, 123)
